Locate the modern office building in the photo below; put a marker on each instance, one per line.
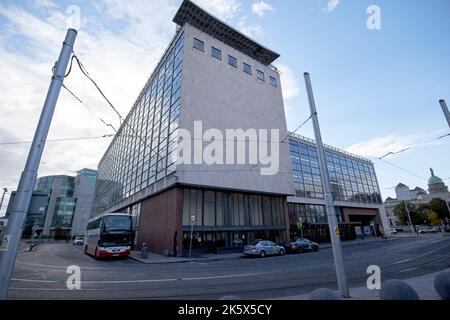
(354, 186)
(214, 79)
(35, 213)
(61, 201)
(84, 190)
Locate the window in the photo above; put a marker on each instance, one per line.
(199, 44)
(272, 81)
(260, 75)
(216, 53)
(232, 61)
(247, 68)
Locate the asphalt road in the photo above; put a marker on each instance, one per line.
(42, 274)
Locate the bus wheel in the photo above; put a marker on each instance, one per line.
(95, 254)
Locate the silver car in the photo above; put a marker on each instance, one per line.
(263, 248)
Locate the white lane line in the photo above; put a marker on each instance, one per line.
(143, 281)
(55, 289)
(39, 281)
(130, 281)
(409, 269)
(227, 276)
(398, 262)
(415, 258)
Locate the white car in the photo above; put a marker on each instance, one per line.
(427, 230)
(263, 248)
(78, 241)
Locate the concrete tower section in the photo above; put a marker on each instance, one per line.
(224, 97)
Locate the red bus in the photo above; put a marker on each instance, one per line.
(109, 236)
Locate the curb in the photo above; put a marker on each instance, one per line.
(185, 261)
(242, 256)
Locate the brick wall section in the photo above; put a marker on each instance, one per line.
(161, 215)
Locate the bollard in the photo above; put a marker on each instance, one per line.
(397, 290)
(323, 294)
(442, 285)
(144, 250)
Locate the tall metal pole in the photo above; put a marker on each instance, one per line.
(409, 218)
(329, 201)
(22, 199)
(5, 190)
(445, 110)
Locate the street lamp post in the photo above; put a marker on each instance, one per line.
(22, 199)
(329, 201)
(409, 218)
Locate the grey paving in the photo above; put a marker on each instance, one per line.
(41, 274)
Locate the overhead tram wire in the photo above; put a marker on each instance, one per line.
(122, 120)
(398, 167)
(88, 108)
(287, 136)
(86, 74)
(59, 140)
(415, 146)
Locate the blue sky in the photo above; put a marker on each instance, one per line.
(376, 90)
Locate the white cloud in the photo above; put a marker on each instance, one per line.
(248, 29)
(260, 8)
(380, 146)
(289, 82)
(120, 61)
(223, 9)
(48, 4)
(332, 5)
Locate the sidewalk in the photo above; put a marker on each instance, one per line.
(154, 258)
(423, 285)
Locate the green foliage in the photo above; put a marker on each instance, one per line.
(418, 213)
(439, 206)
(433, 218)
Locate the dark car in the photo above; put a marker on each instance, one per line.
(300, 245)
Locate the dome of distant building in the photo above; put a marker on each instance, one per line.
(434, 180)
(435, 184)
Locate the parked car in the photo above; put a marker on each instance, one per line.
(300, 245)
(427, 230)
(78, 241)
(263, 248)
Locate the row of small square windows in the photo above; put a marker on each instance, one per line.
(232, 61)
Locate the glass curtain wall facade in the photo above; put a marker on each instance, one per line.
(63, 214)
(352, 179)
(227, 219)
(144, 149)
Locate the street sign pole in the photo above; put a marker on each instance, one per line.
(22, 199)
(193, 219)
(329, 201)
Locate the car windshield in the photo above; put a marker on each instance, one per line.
(118, 223)
(254, 243)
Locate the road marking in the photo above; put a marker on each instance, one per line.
(150, 280)
(398, 262)
(39, 281)
(130, 281)
(227, 276)
(409, 269)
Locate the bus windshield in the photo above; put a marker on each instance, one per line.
(118, 223)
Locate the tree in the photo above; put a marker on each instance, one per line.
(433, 218)
(440, 207)
(418, 213)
